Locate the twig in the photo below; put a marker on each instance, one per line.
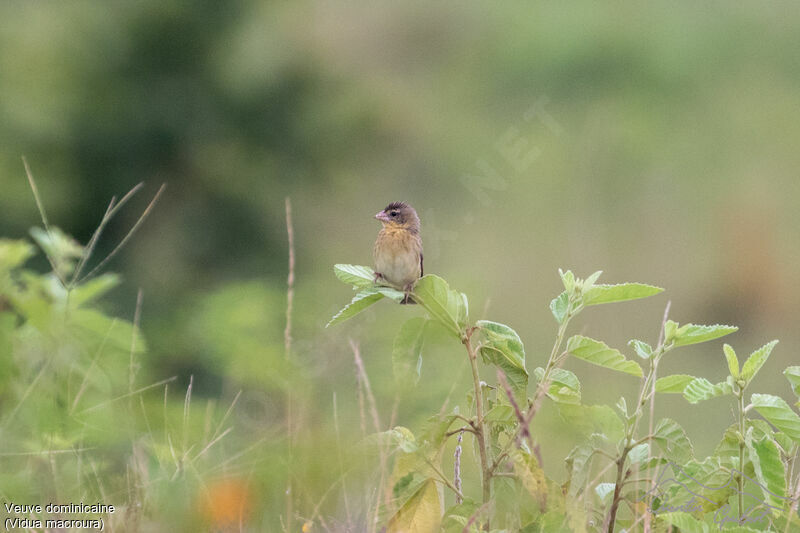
(287, 345)
(480, 425)
(475, 516)
(457, 468)
(523, 433)
(444, 479)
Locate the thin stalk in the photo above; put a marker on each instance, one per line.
(645, 394)
(480, 432)
(553, 359)
(740, 394)
(612, 514)
(287, 346)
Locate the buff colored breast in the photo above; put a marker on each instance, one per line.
(397, 256)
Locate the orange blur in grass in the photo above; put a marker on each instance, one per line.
(227, 502)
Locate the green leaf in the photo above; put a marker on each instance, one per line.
(672, 440)
(577, 472)
(733, 361)
(531, 475)
(778, 413)
(443, 304)
(568, 279)
(564, 385)
(670, 329)
(728, 447)
(501, 346)
(604, 491)
(622, 406)
(392, 294)
(559, 306)
(694, 334)
(792, 373)
(63, 250)
(356, 275)
(700, 389)
(93, 289)
(398, 437)
(589, 419)
(686, 522)
(14, 253)
(642, 349)
(407, 351)
(603, 294)
(360, 301)
(639, 453)
(756, 361)
(588, 283)
(598, 353)
(674, 384)
(501, 414)
(769, 469)
(457, 517)
(95, 329)
(422, 513)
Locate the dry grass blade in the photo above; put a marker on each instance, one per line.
(111, 210)
(85, 381)
(341, 461)
(89, 248)
(128, 236)
(287, 340)
(45, 452)
(212, 443)
(27, 392)
(187, 405)
(226, 415)
(137, 391)
(137, 316)
(364, 379)
(363, 383)
(43, 214)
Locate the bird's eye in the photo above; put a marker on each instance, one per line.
(393, 214)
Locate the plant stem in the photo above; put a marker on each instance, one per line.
(552, 360)
(480, 426)
(612, 513)
(740, 394)
(645, 394)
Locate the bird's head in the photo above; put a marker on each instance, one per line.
(399, 215)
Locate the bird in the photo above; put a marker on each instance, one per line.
(398, 249)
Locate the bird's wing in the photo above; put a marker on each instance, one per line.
(421, 271)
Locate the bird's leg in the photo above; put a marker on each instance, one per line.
(378, 277)
(407, 289)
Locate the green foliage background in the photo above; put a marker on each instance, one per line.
(666, 152)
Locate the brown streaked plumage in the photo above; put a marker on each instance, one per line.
(398, 249)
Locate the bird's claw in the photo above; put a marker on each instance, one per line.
(407, 290)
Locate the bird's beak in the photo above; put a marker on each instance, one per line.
(382, 216)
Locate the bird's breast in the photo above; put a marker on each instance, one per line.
(397, 256)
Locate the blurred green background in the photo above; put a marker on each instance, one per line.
(656, 142)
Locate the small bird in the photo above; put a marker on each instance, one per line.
(398, 249)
